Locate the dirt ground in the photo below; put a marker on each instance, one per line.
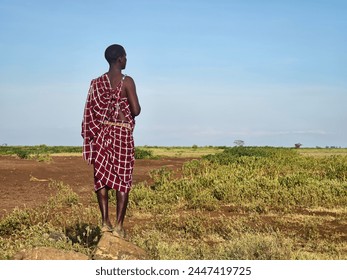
(24, 183)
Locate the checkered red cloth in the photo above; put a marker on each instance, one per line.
(109, 148)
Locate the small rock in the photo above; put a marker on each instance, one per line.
(57, 236)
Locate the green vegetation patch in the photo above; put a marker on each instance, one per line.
(25, 151)
(61, 223)
(245, 203)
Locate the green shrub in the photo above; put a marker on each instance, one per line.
(143, 154)
(15, 221)
(23, 154)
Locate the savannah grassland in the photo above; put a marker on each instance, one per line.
(255, 203)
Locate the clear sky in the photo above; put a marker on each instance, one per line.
(207, 72)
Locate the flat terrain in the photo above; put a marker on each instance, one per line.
(205, 214)
(25, 182)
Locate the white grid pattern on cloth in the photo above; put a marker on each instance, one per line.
(109, 148)
(114, 166)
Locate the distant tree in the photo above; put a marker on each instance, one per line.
(239, 143)
(298, 145)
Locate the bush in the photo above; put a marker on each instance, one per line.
(23, 154)
(143, 154)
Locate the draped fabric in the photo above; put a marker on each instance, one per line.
(109, 148)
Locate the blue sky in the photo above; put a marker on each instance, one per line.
(207, 72)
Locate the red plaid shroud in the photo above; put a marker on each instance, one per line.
(109, 148)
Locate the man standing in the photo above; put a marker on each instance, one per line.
(107, 129)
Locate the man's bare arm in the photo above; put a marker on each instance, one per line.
(130, 88)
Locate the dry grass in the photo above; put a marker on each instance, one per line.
(182, 152)
(323, 152)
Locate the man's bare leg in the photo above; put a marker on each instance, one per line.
(122, 203)
(102, 196)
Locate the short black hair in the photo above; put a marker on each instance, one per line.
(113, 52)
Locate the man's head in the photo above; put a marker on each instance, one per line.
(115, 54)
